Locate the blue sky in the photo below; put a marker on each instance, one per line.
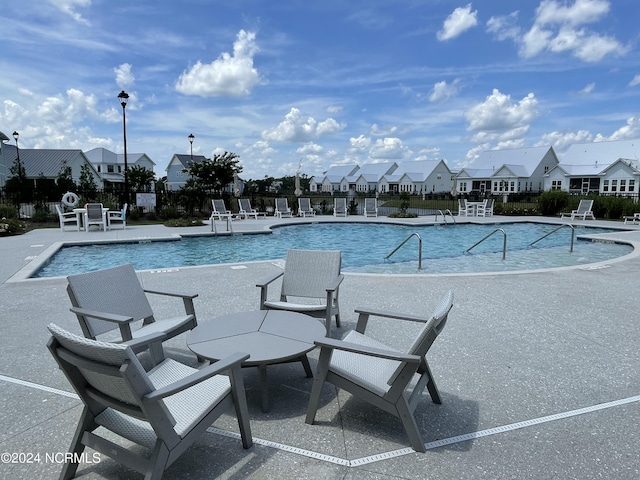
(312, 84)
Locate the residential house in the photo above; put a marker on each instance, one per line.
(610, 167)
(4, 167)
(332, 178)
(418, 177)
(110, 165)
(176, 174)
(507, 171)
(368, 177)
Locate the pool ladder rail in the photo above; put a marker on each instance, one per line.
(444, 216)
(504, 242)
(414, 234)
(573, 234)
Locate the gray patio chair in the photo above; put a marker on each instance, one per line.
(164, 411)
(110, 299)
(308, 276)
(245, 210)
(584, 210)
(305, 209)
(282, 208)
(219, 209)
(370, 207)
(378, 374)
(118, 216)
(95, 216)
(340, 207)
(67, 218)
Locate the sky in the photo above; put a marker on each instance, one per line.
(303, 85)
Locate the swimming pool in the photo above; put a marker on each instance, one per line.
(364, 248)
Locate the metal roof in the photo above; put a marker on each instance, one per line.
(45, 162)
(601, 153)
(529, 158)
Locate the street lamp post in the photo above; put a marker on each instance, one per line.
(191, 137)
(124, 97)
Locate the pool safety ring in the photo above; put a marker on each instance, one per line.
(70, 199)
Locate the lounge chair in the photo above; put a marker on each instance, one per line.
(485, 209)
(118, 216)
(95, 215)
(110, 299)
(67, 218)
(161, 412)
(340, 207)
(220, 210)
(282, 208)
(309, 275)
(245, 210)
(583, 210)
(632, 219)
(304, 208)
(370, 207)
(381, 375)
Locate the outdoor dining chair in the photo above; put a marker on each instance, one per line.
(118, 216)
(380, 375)
(162, 412)
(67, 218)
(95, 215)
(113, 299)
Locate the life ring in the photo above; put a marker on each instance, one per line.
(70, 199)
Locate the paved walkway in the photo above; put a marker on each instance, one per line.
(539, 374)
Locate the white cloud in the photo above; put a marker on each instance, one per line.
(232, 75)
(378, 131)
(389, 149)
(69, 7)
(562, 141)
(442, 90)
(504, 27)
(635, 81)
(461, 20)
(581, 12)
(588, 88)
(124, 77)
(630, 131)
(498, 118)
(360, 144)
(334, 109)
(296, 128)
(310, 148)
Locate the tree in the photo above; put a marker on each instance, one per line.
(87, 186)
(211, 176)
(18, 186)
(140, 178)
(64, 180)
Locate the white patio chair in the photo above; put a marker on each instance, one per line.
(370, 207)
(464, 209)
(583, 210)
(308, 276)
(118, 216)
(304, 208)
(485, 209)
(390, 379)
(282, 208)
(220, 210)
(113, 299)
(245, 210)
(161, 412)
(340, 207)
(95, 215)
(67, 218)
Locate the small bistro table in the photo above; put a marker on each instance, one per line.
(270, 337)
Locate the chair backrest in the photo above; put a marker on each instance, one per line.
(245, 204)
(462, 203)
(58, 210)
(585, 206)
(370, 204)
(308, 272)
(94, 211)
(124, 210)
(282, 205)
(340, 204)
(113, 290)
(427, 335)
(219, 206)
(104, 374)
(304, 204)
(489, 203)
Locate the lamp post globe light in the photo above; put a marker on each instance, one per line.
(123, 97)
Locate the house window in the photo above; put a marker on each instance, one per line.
(99, 169)
(556, 185)
(614, 185)
(512, 186)
(546, 168)
(605, 186)
(110, 169)
(439, 176)
(623, 185)
(119, 168)
(632, 185)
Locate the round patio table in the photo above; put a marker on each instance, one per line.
(269, 336)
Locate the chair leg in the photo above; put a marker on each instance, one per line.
(240, 404)
(157, 462)
(318, 382)
(410, 425)
(86, 424)
(431, 385)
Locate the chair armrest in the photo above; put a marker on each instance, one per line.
(389, 314)
(146, 340)
(334, 286)
(172, 294)
(269, 279)
(333, 344)
(214, 369)
(109, 317)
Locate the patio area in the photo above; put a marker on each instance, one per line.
(539, 372)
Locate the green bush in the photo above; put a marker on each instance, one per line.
(11, 226)
(8, 211)
(184, 222)
(553, 203)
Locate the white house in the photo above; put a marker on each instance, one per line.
(610, 167)
(418, 177)
(110, 165)
(507, 171)
(330, 181)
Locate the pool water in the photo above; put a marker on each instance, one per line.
(364, 248)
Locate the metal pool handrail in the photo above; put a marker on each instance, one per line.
(416, 234)
(444, 216)
(573, 234)
(504, 243)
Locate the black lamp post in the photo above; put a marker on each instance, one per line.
(191, 137)
(124, 97)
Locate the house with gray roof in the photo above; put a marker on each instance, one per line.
(110, 165)
(367, 178)
(610, 167)
(418, 177)
(332, 178)
(176, 175)
(507, 171)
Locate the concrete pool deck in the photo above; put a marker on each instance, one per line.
(539, 372)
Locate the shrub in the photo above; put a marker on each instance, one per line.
(552, 203)
(7, 211)
(184, 222)
(11, 226)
